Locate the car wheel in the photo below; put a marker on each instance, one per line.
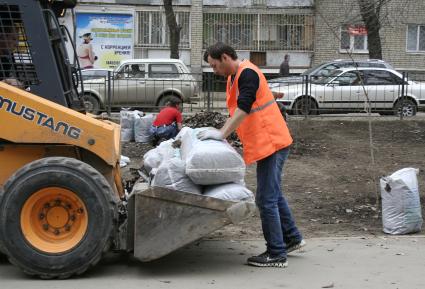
(305, 106)
(164, 99)
(91, 103)
(58, 215)
(282, 109)
(405, 107)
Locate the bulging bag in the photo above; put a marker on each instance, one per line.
(210, 162)
(127, 125)
(142, 127)
(165, 151)
(231, 192)
(171, 174)
(401, 207)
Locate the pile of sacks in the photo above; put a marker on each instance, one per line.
(135, 126)
(212, 168)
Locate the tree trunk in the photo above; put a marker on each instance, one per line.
(174, 29)
(369, 11)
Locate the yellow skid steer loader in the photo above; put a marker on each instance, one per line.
(62, 202)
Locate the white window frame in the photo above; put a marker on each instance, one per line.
(417, 38)
(352, 49)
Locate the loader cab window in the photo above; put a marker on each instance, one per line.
(16, 66)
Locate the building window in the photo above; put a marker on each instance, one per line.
(354, 38)
(416, 38)
(259, 32)
(153, 30)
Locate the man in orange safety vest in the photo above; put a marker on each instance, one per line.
(265, 137)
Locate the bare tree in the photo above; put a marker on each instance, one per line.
(173, 27)
(371, 13)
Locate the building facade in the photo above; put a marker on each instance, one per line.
(264, 31)
(260, 30)
(339, 31)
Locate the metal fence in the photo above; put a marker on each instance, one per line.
(150, 91)
(300, 95)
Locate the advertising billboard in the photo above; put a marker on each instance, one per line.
(104, 39)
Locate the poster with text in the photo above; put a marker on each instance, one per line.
(111, 37)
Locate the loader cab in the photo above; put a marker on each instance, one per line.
(32, 50)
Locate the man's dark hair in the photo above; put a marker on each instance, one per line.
(174, 101)
(217, 50)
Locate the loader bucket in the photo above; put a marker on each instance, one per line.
(166, 220)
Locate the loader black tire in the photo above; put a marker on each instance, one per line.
(51, 175)
(3, 258)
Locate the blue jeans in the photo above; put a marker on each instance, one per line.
(167, 131)
(276, 218)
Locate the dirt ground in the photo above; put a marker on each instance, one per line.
(330, 180)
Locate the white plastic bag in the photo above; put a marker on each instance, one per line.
(127, 125)
(142, 127)
(171, 174)
(124, 161)
(153, 158)
(127, 134)
(183, 131)
(210, 162)
(401, 207)
(231, 192)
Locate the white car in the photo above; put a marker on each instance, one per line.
(324, 69)
(351, 89)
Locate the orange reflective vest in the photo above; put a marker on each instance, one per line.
(264, 130)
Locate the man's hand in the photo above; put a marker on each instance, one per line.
(211, 133)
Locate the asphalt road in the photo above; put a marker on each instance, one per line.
(386, 262)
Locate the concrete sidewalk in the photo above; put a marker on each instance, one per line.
(381, 262)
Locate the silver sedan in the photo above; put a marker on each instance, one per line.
(353, 90)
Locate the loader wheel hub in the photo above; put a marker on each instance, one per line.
(54, 220)
(57, 217)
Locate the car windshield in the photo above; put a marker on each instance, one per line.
(310, 70)
(325, 67)
(279, 79)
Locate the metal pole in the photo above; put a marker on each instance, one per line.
(258, 32)
(402, 99)
(109, 92)
(306, 97)
(209, 80)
